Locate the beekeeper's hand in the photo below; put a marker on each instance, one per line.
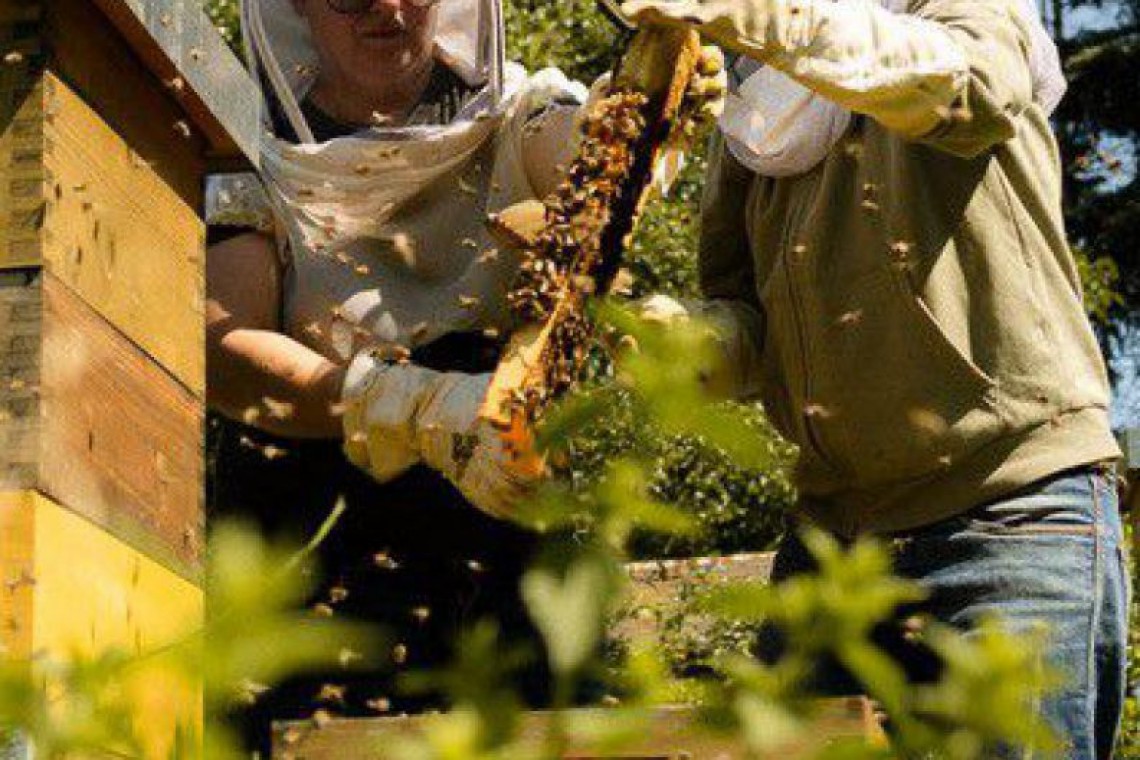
(737, 330)
(396, 416)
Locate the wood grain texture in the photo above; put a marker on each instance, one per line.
(118, 235)
(79, 44)
(671, 733)
(177, 39)
(87, 52)
(88, 419)
(21, 134)
(79, 199)
(72, 589)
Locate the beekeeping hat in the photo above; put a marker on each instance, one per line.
(280, 50)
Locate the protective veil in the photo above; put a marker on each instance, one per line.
(377, 170)
(384, 228)
(384, 241)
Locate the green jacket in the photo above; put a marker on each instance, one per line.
(920, 324)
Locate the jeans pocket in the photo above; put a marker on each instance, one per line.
(999, 529)
(1072, 504)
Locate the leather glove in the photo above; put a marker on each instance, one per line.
(903, 71)
(738, 330)
(397, 416)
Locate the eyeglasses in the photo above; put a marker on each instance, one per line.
(350, 7)
(356, 7)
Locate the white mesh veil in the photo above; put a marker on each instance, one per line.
(469, 39)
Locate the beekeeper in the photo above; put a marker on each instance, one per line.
(884, 255)
(356, 302)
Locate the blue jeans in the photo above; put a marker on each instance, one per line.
(1053, 554)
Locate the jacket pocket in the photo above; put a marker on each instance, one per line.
(899, 400)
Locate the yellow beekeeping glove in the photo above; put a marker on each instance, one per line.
(396, 416)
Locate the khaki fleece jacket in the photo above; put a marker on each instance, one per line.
(916, 305)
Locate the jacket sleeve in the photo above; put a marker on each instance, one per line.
(952, 73)
(731, 304)
(996, 39)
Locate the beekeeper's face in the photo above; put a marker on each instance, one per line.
(371, 44)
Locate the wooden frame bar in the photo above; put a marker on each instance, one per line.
(672, 733)
(178, 40)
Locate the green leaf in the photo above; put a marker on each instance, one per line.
(570, 610)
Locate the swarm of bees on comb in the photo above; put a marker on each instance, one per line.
(573, 241)
(577, 213)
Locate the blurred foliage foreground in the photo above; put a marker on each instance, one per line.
(641, 444)
(255, 636)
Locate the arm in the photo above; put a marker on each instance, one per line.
(394, 416)
(255, 373)
(954, 73)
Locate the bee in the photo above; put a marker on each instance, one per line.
(332, 694)
(379, 704)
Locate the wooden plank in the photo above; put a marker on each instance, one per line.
(85, 50)
(17, 573)
(76, 41)
(21, 135)
(119, 236)
(176, 39)
(78, 199)
(673, 732)
(78, 591)
(21, 326)
(88, 419)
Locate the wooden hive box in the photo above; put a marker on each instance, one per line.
(673, 733)
(111, 113)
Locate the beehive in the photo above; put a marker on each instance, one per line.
(111, 113)
(672, 733)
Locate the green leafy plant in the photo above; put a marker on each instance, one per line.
(735, 508)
